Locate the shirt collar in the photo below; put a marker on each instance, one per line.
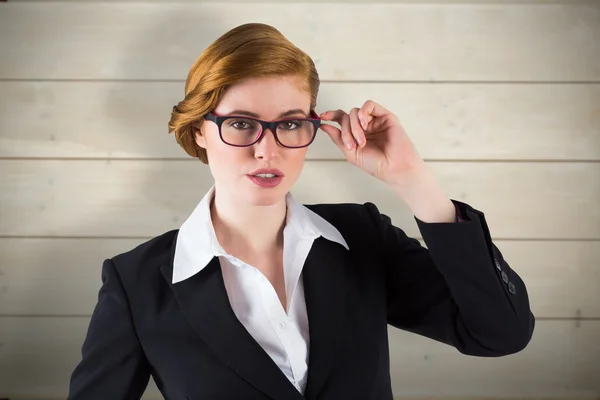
(197, 243)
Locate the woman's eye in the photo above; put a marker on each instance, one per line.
(290, 125)
(240, 124)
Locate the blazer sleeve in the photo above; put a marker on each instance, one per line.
(459, 290)
(113, 365)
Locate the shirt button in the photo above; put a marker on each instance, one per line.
(282, 325)
(511, 288)
(504, 277)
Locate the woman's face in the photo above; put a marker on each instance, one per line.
(268, 98)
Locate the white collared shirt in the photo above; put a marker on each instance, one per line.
(284, 337)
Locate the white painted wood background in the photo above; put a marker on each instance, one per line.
(502, 98)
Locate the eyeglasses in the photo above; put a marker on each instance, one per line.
(244, 131)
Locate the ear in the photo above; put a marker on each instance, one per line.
(199, 135)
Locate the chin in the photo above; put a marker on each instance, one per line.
(264, 199)
(265, 196)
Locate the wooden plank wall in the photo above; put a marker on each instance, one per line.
(501, 98)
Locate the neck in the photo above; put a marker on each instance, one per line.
(243, 228)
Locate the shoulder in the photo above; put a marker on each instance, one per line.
(348, 218)
(146, 258)
(343, 211)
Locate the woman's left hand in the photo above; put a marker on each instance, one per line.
(373, 139)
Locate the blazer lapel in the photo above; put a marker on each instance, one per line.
(204, 300)
(324, 277)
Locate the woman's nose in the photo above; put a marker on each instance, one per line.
(267, 146)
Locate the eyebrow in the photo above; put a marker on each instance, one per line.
(254, 115)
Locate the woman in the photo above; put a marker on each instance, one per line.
(257, 296)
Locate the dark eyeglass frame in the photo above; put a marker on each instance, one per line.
(272, 125)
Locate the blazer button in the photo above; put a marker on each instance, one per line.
(511, 288)
(498, 265)
(504, 277)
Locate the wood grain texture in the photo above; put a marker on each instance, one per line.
(39, 354)
(395, 42)
(445, 121)
(336, 1)
(562, 360)
(43, 276)
(127, 198)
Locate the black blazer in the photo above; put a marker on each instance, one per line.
(459, 291)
